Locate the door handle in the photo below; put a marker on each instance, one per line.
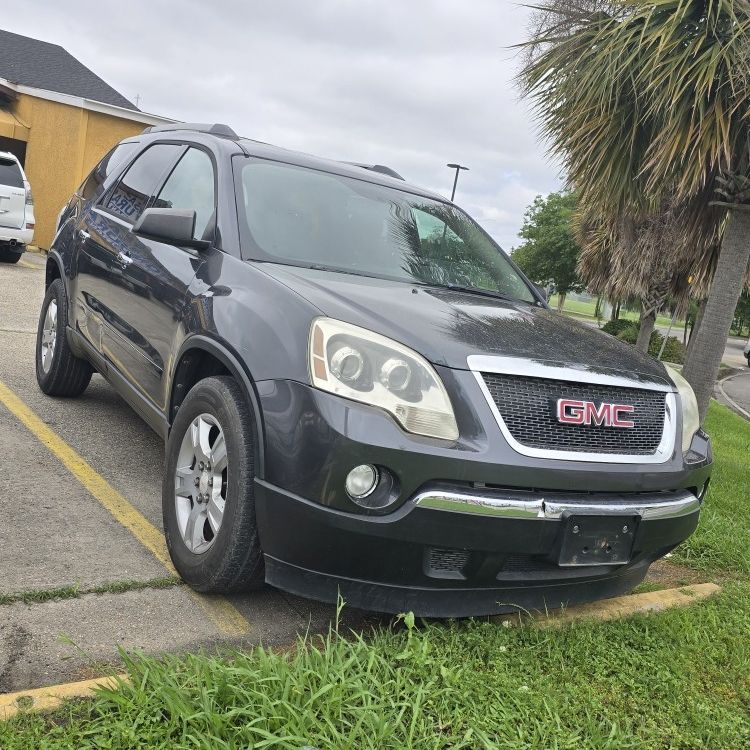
(124, 259)
(84, 235)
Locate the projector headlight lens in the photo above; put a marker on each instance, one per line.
(364, 366)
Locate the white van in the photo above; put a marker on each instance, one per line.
(16, 209)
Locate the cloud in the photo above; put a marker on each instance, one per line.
(411, 85)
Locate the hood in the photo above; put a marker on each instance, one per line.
(447, 326)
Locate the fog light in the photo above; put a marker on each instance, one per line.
(361, 481)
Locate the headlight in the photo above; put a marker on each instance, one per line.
(690, 416)
(361, 365)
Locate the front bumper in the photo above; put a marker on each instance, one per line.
(446, 553)
(476, 528)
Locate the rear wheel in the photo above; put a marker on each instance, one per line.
(58, 371)
(6, 256)
(208, 502)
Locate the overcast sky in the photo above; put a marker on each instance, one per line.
(408, 83)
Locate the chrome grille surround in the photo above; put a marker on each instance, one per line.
(550, 371)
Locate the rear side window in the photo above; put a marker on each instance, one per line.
(191, 186)
(10, 173)
(133, 192)
(94, 183)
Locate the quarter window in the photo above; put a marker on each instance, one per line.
(10, 174)
(133, 192)
(191, 186)
(94, 183)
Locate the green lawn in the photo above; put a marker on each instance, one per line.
(586, 310)
(679, 679)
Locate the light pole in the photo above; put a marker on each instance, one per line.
(458, 168)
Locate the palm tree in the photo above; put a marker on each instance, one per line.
(621, 259)
(647, 103)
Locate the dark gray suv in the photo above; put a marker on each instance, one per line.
(360, 393)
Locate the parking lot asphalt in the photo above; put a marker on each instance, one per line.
(736, 391)
(81, 486)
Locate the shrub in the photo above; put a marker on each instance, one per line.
(655, 344)
(674, 351)
(628, 334)
(616, 327)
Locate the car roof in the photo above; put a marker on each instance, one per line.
(360, 172)
(218, 133)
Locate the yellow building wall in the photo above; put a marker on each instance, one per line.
(64, 144)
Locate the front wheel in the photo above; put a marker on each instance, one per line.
(208, 503)
(58, 371)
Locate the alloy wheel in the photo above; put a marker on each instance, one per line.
(201, 483)
(49, 335)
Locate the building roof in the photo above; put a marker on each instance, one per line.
(41, 65)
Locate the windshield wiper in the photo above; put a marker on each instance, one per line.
(481, 292)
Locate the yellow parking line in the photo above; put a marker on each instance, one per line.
(48, 698)
(223, 614)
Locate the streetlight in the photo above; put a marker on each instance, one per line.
(458, 168)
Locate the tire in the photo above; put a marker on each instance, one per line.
(211, 557)
(59, 372)
(6, 256)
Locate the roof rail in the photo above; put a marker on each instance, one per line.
(215, 129)
(377, 168)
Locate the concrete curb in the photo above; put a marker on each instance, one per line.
(617, 607)
(48, 698)
(735, 406)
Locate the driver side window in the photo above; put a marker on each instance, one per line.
(191, 186)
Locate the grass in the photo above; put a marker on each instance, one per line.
(677, 680)
(587, 309)
(722, 541)
(73, 592)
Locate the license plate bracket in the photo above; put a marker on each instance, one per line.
(590, 540)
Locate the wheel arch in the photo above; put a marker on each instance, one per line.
(53, 270)
(200, 357)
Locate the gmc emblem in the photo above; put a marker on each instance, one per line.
(571, 411)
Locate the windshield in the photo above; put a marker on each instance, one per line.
(306, 217)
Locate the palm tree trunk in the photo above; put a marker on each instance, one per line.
(695, 327)
(709, 340)
(648, 320)
(561, 301)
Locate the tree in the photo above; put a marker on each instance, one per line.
(549, 254)
(646, 101)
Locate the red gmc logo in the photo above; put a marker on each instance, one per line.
(571, 411)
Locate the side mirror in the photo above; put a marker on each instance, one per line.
(175, 226)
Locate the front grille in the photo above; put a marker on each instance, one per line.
(528, 408)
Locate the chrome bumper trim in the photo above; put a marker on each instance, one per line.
(510, 506)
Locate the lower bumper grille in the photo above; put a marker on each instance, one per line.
(448, 563)
(528, 407)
